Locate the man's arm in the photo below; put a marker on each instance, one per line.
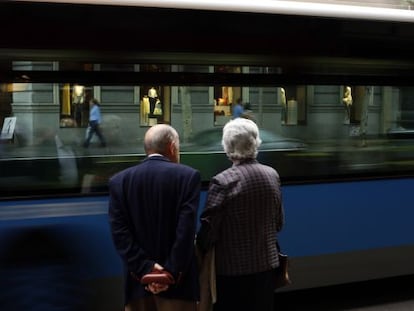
(183, 249)
(133, 256)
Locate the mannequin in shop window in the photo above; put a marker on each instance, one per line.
(289, 102)
(153, 98)
(284, 107)
(78, 98)
(347, 102)
(158, 108)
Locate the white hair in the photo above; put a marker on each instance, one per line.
(158, 137)
(241, 139)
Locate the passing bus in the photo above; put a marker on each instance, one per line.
(330, 85)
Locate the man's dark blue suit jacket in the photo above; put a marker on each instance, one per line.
(152, 213)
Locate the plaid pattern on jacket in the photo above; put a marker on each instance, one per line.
(244, 210)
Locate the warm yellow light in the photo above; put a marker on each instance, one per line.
(19, 87)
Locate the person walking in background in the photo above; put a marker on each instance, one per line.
(95, 120)
(238, 109)
(153, 215)
(241, 219)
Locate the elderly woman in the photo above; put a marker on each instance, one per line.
(242, 216)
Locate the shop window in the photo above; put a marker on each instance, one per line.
(293, 102)
(74, 104)
(406, 119)
(155, 100)
(226, 97)
(75, 97)
(355, 100)
(347, 102)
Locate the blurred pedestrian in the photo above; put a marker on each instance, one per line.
(238, 109)
(95, 120)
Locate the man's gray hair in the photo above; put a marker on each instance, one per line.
(158, 138)
(241, 139)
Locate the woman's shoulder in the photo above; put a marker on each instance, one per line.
(227, 176)
(254, 168)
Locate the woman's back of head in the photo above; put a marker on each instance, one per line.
(241, 139)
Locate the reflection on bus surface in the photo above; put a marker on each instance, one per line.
(330, 87)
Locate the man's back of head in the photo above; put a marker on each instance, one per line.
(162, 139)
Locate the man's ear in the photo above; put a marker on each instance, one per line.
(173, 152)
(171, 148)
(169, 151)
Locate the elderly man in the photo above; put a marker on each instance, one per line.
(152, 212)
